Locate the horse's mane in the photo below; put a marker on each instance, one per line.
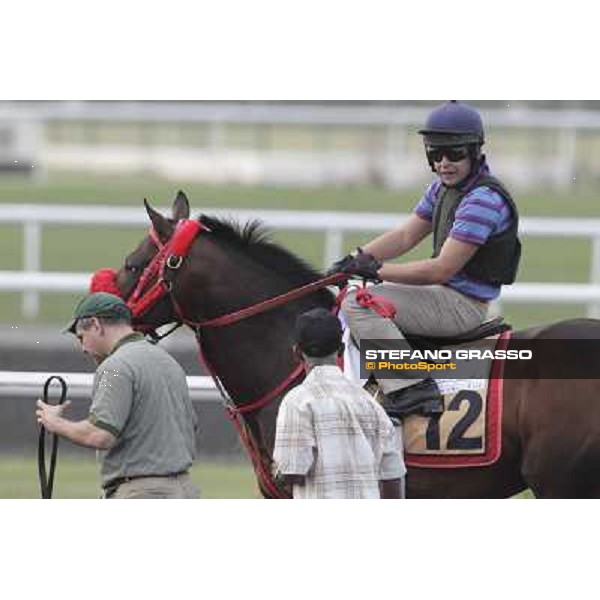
(253, 239)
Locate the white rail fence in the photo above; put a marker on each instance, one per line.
(26, 383)
(333, 225)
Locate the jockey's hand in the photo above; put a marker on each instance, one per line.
(339, 265)
(362, 264)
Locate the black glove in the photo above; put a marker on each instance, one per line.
(339, 265)
(362, 264)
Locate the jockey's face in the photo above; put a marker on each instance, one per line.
(452, 164)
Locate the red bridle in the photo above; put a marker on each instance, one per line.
(170, 255)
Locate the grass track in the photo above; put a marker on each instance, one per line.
(77, 478)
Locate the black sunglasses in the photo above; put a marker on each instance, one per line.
(452, 153)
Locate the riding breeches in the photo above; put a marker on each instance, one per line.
(427, 310)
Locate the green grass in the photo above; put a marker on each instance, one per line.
(526, 495)
(86, 249)
(78, 478)
(129, 190)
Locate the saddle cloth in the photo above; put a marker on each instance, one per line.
(469, 431)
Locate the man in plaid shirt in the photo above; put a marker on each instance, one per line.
(332, 439)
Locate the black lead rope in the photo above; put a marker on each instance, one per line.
(47, 478)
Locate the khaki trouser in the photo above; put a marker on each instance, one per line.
(168, 487)
(429, 310)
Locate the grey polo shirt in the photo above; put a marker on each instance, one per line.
(140, 395)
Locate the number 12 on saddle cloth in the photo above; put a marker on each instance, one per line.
(469, 431)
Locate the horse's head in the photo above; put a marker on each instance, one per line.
(137, 279)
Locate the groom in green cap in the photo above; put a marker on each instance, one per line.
(141, 417)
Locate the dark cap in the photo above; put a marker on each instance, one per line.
(99, 304)
(318, 332)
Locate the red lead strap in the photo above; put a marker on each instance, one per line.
(295, 374)
(379, 304)
(260, 468)
(235, 413)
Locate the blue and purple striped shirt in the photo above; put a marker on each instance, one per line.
(482, 214)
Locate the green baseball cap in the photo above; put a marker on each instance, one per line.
(99, 304)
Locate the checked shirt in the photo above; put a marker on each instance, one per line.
(331, 431)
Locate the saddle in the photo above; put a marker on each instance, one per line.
(422, 401)
(490, 327)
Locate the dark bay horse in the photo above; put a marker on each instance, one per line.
(550, 428)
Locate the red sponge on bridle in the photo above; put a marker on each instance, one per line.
(104, 280)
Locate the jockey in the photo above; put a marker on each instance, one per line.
(475, 251)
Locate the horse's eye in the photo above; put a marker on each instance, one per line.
(130, 267)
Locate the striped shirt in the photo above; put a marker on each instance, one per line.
(482, 214)
(332, 431)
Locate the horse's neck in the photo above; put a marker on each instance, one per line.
(230, 288)
(253, 355)
(250, 357)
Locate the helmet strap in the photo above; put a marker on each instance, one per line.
(476, 157)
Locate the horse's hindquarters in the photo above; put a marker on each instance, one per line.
(560, 433)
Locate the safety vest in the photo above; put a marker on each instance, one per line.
(495, 262)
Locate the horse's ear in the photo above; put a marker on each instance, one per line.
(161, 225)
(181, 207)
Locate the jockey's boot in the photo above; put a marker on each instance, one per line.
(422, 398)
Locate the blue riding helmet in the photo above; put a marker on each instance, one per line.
(453, 124)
